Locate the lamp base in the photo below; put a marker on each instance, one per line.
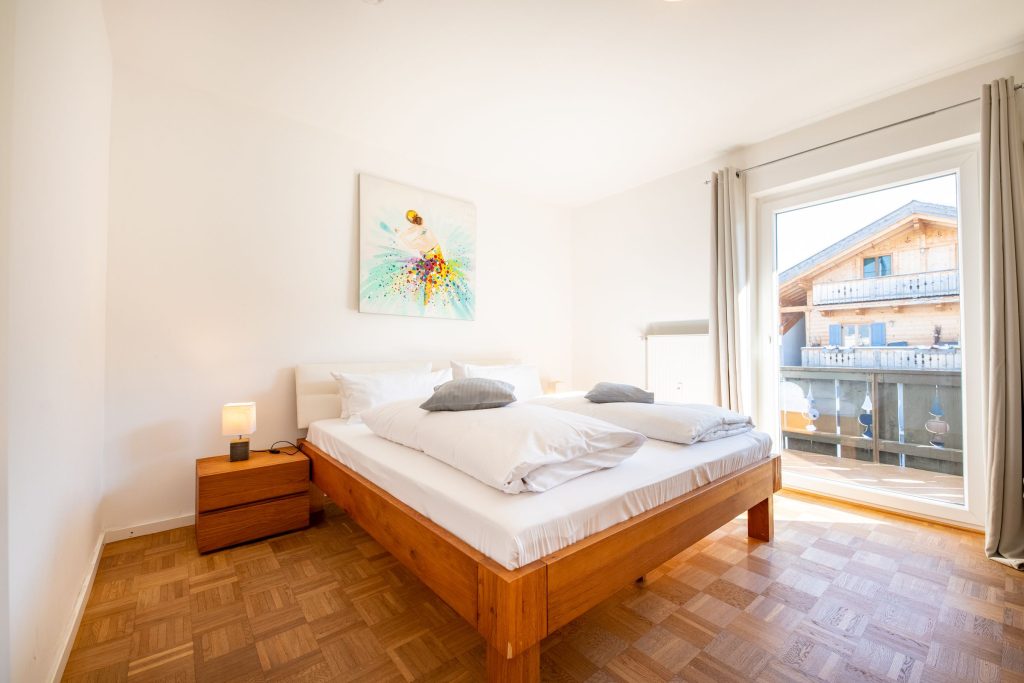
(239, 450)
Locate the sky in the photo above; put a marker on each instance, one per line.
(806, 231)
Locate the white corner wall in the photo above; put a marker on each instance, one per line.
(641, 257)
(233, 257)
(55, 281)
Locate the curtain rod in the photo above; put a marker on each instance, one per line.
(862, 134)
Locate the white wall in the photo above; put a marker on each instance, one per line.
(642, 256)
(955, 123)
(56, 254)
(639, 257)
(233, 257)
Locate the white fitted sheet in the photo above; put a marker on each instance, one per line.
(515, 530)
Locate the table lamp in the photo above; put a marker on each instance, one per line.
(238, 419)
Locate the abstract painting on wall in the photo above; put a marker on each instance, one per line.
(417, 252)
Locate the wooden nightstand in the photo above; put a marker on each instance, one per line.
(242, 501)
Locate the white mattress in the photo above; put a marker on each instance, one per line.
(515, 530)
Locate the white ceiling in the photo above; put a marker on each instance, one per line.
(564, 100)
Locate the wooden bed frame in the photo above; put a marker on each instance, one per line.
(515, 609)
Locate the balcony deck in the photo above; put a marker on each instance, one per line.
(948, 488)
(894, 450)
(939, 283)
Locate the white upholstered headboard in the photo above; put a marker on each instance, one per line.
(316, 391)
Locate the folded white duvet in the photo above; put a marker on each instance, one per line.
(675, 422)
(517, 448)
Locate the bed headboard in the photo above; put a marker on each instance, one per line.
(316, 391)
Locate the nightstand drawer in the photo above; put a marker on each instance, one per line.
(222, 528)
(249, 481)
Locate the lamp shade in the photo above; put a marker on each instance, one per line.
(238, 418)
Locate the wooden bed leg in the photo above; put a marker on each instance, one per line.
(513, 619)
(761, 520)
(523, 668)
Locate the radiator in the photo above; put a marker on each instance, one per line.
(679, 367)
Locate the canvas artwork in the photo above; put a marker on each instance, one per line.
(417, 252)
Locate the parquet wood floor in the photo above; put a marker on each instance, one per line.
(842, 594)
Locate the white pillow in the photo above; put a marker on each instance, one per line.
(524, 378)
(362, 391)
(459, 367)
(377, 369)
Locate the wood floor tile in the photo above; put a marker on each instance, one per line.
(842, 595)
(353, 649)
(160, 635)
(171, 664)
(597, 645)
(104, 627)
(633, 665)
(419, 656)
(284, 646)
(111, 656)
(238, 666)
(223, 640)
(561, 662)
(651, 606)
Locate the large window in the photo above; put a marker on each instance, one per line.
(878, 266)
(883, 416)
(868, 395)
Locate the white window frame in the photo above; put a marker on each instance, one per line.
(962, 158)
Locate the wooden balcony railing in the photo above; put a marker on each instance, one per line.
(915, 418)
(882, 357)
(890, 287)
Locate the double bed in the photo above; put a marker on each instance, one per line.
(518, 567)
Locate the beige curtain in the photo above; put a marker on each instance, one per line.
(1003, 274)
(728, 257)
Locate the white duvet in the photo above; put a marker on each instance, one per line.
(521, 447)
(675, 422)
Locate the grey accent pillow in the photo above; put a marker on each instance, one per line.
(470, 393)
(609, 392)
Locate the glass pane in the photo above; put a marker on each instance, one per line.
(888, 413)
(864, 332)
(855, 408)
(884, 410)
(809, 444)
(809, 405)
(885, 265)
(850, 336)
(933, 419)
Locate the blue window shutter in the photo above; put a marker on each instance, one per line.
(878, 334)
(835, 335)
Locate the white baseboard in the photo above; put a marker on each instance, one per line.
(112, 535)
(68, 637)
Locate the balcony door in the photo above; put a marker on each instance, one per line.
(869, 343)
